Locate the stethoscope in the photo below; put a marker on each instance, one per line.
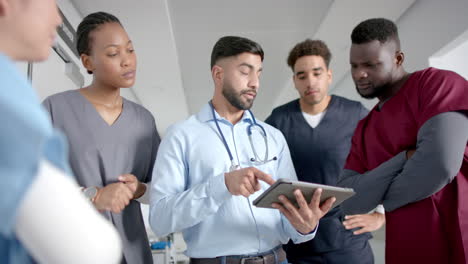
(256, 160)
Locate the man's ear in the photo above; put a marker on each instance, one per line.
(399, 58)
(330, 76)
(217, 73)
(87, 62)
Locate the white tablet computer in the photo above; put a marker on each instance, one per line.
(287, 187)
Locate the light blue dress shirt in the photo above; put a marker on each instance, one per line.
(26, 137)
(188, 191)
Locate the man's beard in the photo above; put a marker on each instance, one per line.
(376, 91)
(235, 99)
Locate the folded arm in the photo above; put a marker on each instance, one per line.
(370, 187)
(441, 143)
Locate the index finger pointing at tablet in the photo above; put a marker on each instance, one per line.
(263, 176)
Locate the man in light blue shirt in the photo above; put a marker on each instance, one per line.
(208, 171)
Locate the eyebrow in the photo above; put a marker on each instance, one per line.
(364, 62)
(115, 45)
(313, 69)
(251, 67)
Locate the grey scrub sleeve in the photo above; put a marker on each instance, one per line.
(441, 143)
(438, 158)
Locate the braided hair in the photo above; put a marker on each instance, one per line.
(90, 23)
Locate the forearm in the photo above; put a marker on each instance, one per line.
(54, 206)
(437, 160)
(173, 212)
(371, 186)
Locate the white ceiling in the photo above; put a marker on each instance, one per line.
(276, 24)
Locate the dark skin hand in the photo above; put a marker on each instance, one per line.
(369, 222)
(116, 196)
(113, 197)
(365, 222)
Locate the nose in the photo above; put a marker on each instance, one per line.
(126, 60)
(58, 18)
(359, 74)
(311, 81)
(254, 81)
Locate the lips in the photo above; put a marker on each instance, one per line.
(310, 92)
(252, 95)
(363, 86)
(129, 75)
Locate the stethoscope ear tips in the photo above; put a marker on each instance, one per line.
(252, 159)
(275, 158)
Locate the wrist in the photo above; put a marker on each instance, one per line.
(380, 218)
(308, 233)
(218, 188)
(141, 189)
(90, 193)
(97, 197)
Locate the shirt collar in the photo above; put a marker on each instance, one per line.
(206, 115)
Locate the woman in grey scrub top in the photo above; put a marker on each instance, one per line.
(113, 141)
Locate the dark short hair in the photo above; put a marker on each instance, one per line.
(231, 46)
(380, 29)
(309, 47)
(90, 23)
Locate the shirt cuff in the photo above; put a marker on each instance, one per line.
(311, 232)
(296, 236)
(380, 209)
(300, 238)
(218, 189)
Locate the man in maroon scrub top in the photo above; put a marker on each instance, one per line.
(410, 153)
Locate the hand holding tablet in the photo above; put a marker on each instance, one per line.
(287, 187)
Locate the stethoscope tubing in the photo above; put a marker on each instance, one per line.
(256, 160)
